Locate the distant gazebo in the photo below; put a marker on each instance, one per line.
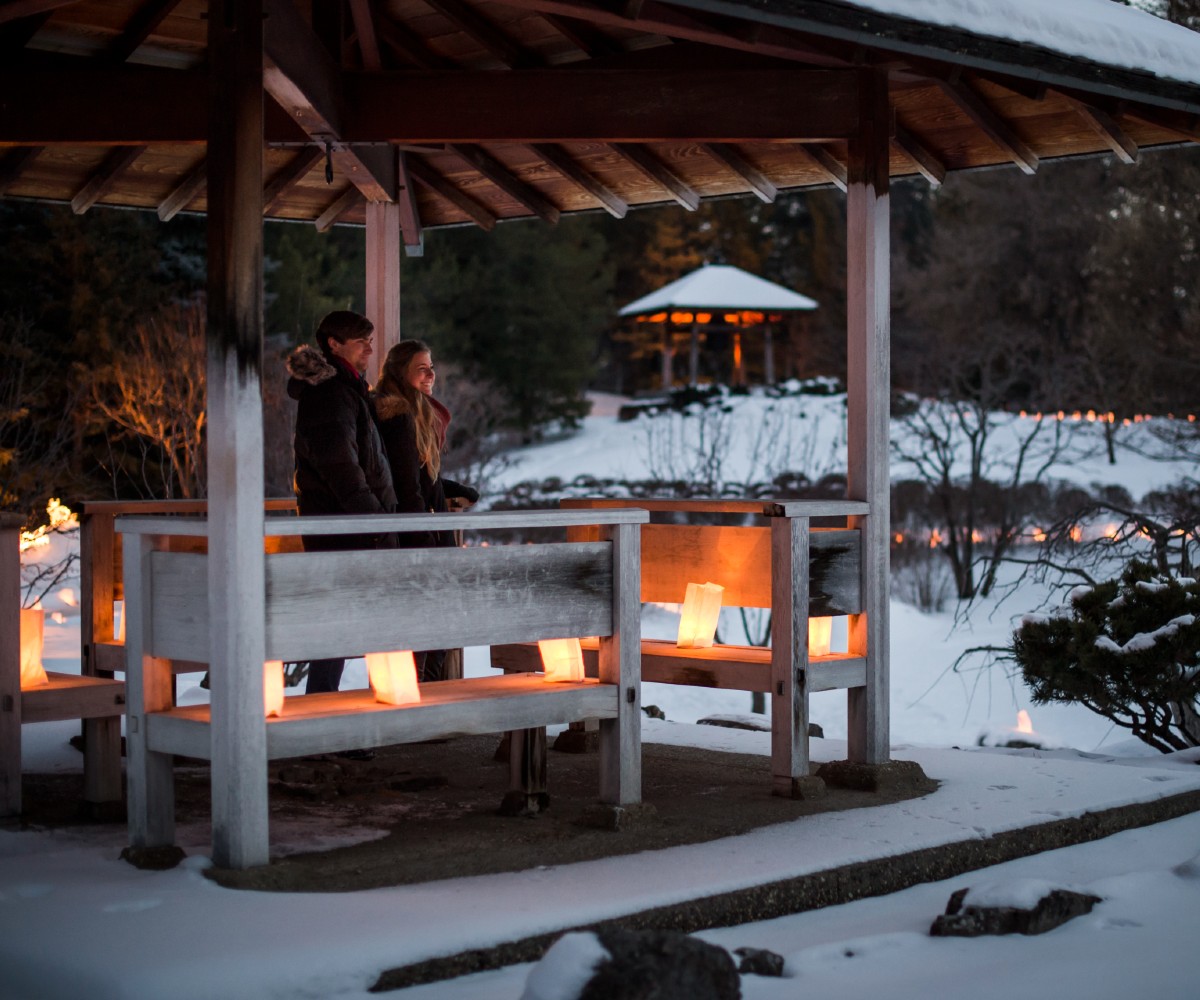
(717, 297)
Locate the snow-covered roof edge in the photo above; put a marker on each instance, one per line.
(1096, 45)
(720, 286)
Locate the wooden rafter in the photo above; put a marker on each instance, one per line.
(14, 163)
(288, 175)
(143, 23)
(489, 37)
(584, 36)
(302, 78)
(731, 157)
(411, 232)
(829, 165)
(425, 175)
(661, 174)
(187, 189)
(349, 199)
(676, 23)
(963, 94)
(508, 182)
(15, 10)
(104, 177)
(1106, 127)
(17, 34)
(927, 163)
(1185, 127)
(363, 15)
(573, 170)
(410, 46)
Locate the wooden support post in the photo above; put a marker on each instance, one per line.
(383, 280)
(236, 570)
(668, 357)
(789, 654)
(10, 664)
(869, 388)
(768, 356)
(621, 664)
(149, 687)
(694, 357)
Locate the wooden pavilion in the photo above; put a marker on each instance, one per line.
(403, 115)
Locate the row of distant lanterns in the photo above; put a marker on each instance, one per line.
(745, 317)
(1092, 417)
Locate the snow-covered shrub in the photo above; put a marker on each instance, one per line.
(1128, 649)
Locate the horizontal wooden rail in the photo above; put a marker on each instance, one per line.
(764, 508)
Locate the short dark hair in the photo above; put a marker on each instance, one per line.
(342, 325)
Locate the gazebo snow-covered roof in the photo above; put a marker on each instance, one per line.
(719, 287)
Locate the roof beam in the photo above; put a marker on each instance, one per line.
(182, 196)
(657, 171)
(489, 37)
(300, 75)
(13, 165)
(508, 182)
(363, 15)
(411, 233)
(573, 170)
(928, 165)
(347, 200)
(730, 156)
(410, 46)
(104, 177)
(994, 127)
(17, 34)
(288, 175)
(14, 10)
(602, 104)
(583, 36)
(147, 17)
(1106, 127)
(424, 174)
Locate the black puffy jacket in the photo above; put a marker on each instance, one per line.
(341, 467)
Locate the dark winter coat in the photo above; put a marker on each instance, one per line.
(416, 490)
(341, 467)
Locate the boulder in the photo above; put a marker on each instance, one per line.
(1054, 908)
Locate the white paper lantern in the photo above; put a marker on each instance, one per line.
(33, 622)
(273, 687)
(698, 621)
(393, 677)
(820, 632)
(562, 659)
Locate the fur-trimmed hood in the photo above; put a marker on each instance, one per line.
(307, 364)
(387, 407)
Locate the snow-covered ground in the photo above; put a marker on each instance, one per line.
(75, 922)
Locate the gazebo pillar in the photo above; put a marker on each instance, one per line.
(383, 279)
(869, 392)
(236, 585)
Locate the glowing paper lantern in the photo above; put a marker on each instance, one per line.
(273, 687)
(562, 659)
(33, 674)
(393, 677)
(698, 622)
(119, 618)
(820, 630)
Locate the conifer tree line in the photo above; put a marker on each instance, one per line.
(1073, 289)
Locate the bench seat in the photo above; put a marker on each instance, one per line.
(71, 696)
(347, 720)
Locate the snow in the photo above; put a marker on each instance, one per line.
(719, 286)
(75, 921)
(1098, 30)
(565, 969)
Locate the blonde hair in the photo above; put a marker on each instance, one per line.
(393, 381)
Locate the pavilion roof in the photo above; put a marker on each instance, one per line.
(717, 287)
(476, 111)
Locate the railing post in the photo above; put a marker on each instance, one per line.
(10, 664)
(621, 664)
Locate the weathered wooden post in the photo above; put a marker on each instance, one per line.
(621, 664)
(869, 388)
(10, 664)
(383, 280)
(235, 442)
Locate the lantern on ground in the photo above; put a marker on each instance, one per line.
(820, 632)
(698, 621)
(33, 674)
(393, 677)
(273, 687)
(562, 659)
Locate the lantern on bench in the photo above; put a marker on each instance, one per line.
(393, 677)
(698, 621)
(562, 659)
(273, 688)
(33, 674)
(820, 633)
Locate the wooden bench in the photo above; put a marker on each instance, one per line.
(328, 604)
(782, 563)
(98, 701)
